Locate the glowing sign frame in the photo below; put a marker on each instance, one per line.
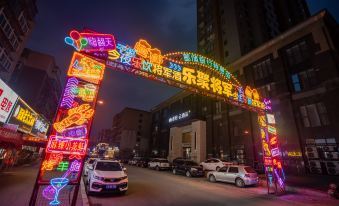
(186, 70)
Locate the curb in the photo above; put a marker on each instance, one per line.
(300, 190)
(85, 201)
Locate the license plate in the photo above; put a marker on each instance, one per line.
(111, 186)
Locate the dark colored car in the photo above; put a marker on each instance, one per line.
(187, 167)
(142, 162)
(176, 160)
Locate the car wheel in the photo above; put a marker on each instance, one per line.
(174, 171)
(157, 168)
(188, 174)
(239, 182)
(212, 178)
(217, 168)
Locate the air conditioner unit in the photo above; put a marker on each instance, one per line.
(331, 155)
(332, 164)
(315, 163)
(312, 152)
(332, 167)
(315, 170)
(315, 167)
(329, 148)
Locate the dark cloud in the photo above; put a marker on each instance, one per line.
(169, 25)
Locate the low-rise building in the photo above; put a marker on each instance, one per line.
(131, 132)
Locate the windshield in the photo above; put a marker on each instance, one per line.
(108, 166)
(191, 163)
(249, 170)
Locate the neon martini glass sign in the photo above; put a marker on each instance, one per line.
(58, 184)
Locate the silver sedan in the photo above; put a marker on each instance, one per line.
(238, 174)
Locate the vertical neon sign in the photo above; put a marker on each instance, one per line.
(271, 153)
(68, 141)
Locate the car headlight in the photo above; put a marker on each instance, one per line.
(194, 169)
(98, 178)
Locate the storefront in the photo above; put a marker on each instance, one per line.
(10, 144)
(22, 130)
(188, 141)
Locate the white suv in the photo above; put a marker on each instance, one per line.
(107, 176)
(214, 164)
(159, 164)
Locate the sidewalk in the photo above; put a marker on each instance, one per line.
(311, 184)
(16, 185)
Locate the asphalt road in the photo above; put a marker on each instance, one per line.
(148, 187)
(16, 185)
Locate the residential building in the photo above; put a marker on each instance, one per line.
(16, 24)
(299, 72)
(229, 29)
(37, 80)
(131, 132)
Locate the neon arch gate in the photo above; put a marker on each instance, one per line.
(60, 172)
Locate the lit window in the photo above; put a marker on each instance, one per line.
(296, 83)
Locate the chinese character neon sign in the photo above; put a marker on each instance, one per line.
(67, 145)
(90, 41)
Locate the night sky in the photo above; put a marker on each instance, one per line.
(169, 25)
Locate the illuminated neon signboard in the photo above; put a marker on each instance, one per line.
(23, 116)
(68, 141)
(179, 116)
(8, 99)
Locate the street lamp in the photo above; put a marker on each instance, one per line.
(101, 102)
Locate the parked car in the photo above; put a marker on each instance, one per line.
(89, 162)
(142, 162)
(176, 160)
(133, 161)
(107, 176)
(214, 164)
(239, 174)
(159, 164)
(187, 167)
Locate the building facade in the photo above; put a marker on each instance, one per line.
(37, 79)
(229, 29)
(298, 71)
(131, 132)
(16, 24)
